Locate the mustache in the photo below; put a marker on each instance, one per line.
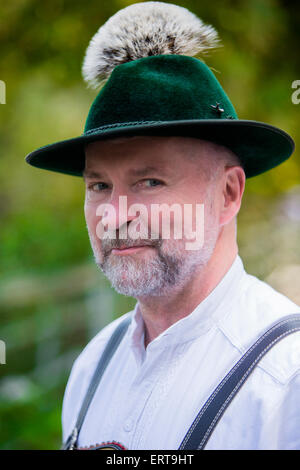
(110, 244)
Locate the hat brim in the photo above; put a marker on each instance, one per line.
(259, 146)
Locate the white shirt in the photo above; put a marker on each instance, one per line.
(148, 399)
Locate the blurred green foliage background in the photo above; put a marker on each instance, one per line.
(53, 299)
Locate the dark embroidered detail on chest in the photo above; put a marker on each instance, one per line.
(110, 445)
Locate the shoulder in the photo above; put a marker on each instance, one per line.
(258, 307)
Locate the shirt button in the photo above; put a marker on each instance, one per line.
(148, 384)
(128, 425)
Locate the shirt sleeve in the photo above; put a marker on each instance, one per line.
(289, 432)
(281, 431)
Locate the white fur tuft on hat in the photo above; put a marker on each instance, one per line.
(142, 30)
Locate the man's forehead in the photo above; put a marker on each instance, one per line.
(138, 171)
(136, 156)
(142, 155)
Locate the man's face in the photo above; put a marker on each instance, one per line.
(148, 171)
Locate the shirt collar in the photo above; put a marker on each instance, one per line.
(198, 321)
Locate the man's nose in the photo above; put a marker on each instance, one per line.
(115, 212)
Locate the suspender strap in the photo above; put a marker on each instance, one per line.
(210, 414)
(107, 354)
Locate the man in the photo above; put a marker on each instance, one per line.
(162, 132)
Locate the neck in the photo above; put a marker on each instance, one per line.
(160, 312)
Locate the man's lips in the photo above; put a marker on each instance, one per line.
(129, 249)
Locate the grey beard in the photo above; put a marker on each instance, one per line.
(136, 278)
(155, 277)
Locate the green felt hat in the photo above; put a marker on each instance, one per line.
(168, 95)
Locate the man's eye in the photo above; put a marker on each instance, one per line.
(98, 187)
(153, 182)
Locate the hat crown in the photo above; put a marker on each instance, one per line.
(159, 88)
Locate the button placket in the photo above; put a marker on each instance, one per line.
(139, 395)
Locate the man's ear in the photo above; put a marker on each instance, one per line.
(233, 185)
